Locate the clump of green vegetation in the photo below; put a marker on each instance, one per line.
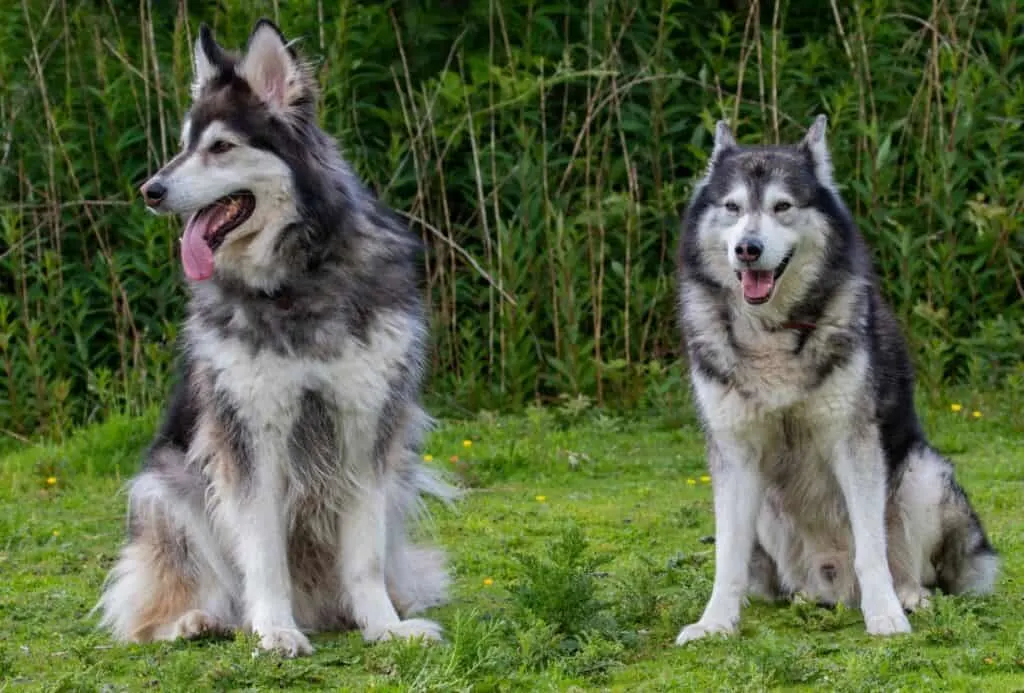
(560, 586)
(543, 150)
(557, 593)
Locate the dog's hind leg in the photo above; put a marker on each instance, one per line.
(764, 576)
(164, 586)
(905, 560)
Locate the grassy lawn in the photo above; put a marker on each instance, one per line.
(579, 552)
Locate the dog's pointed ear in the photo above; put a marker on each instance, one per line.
(723, 140)
(271, 67)
(207, 56)
(816, 146)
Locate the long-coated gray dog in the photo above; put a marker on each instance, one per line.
(277, 494)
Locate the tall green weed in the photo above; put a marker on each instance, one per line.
(544, 150)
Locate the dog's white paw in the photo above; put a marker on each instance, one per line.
(914, 598)
(696, 631)
(888, 624)
(196, 623)
(406, 630)
(288, 642)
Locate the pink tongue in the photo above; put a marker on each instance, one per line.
(757, 284)
(196, 254)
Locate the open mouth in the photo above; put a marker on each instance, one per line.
(758, 285)
(224, 216)
(207, 229)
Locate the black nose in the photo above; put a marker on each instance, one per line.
(153, 193)
(749, 249)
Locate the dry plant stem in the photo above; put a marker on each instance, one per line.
(744, 56)
(461, 251)
(860, 84)
(121, 309)
(478, 181)
(776, 27)
(494, 10)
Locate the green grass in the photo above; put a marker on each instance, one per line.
(577, 555)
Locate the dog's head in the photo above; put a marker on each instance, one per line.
(232, 182)
(755, 212)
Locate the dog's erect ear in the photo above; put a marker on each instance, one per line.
(271, 67)
(723, 140)
(814, 143)
(207, 57)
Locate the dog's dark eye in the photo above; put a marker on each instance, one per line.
(781, 207)
(220, 146)
(732, 207)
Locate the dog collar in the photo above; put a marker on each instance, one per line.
(799, 326)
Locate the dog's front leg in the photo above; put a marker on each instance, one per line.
(737, 485)
(859, 467)
(262, 553)
(364, 550)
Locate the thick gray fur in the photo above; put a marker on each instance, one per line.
(277, 495)
(824, 481)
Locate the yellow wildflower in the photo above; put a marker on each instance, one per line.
(56, 533)
(976, 414)
(467, 443)
(51, 481)
(955, 407)
(541, 499)
(428, 458)
(706, 479)
(691, 482)
(488, 581)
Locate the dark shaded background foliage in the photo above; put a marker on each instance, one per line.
(554, 143)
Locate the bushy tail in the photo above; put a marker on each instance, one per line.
(434, 482)
(417, 578)
(417, 573)
(967, 562)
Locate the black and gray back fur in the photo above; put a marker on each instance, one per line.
(277, 495)
(824, 481)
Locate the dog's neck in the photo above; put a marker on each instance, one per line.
(283, 297)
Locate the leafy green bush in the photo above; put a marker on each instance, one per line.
(544, 150)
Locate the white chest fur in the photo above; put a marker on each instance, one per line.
(266, 381)
(267, 388)
(772, 377)
(779, 419)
